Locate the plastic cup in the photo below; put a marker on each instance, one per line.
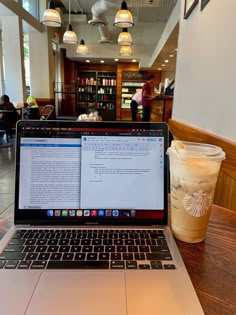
(194, 169)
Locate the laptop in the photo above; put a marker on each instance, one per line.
(90, 232)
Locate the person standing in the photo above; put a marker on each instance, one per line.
(147, 97)
(135, 102)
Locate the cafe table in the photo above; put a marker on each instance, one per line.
(211, 264)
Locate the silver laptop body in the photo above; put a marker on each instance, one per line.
(79, 184)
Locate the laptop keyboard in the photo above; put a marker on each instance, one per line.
(87, 249)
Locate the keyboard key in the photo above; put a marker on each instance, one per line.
(78, 264)
(32, 256)
(96, 242)
(159, 249)
(41, 249)
(117, 264)
(169, 266)
(128, 256)
(75, 249)
(87, 249)
(139, 256)
(30, 242)
(12, 256)
(98, 249)
(29, 249)
(131, 264)
(15, 241)
(25, 264)
(92, 256)
(109, 249)
(55, 256)
(103, 256)
(158, 256)
(132, 249)
(55, 242)
(53, 249)
(74, 242)
(80, 256)
(11, 264)
(64, 249)
(67, 256)
(143, 249)
(41, 242)
(86, 242)
(115, 256)
(2, 263)
(14, 248)
(144, 266)
(121, 249)
(44, 256)
(38, 264)
(156, 264)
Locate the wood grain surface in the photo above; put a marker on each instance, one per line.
(212, 264)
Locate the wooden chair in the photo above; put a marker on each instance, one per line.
(47, 112)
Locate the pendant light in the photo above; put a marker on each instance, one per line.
(82, 49)
(123, 17)
(69, 36)
(51, 17)
(125, 38)
(125, 51)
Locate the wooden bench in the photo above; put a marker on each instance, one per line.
(225, 194)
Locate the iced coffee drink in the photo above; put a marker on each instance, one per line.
(194, 169)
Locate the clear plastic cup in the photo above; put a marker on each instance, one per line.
(194, 169)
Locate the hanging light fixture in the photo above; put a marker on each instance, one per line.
(125, 38)
(123, 17)
(82, 49)
(125, 51)
(69, 36)
(51, 17)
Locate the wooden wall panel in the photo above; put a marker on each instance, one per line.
(225, 194)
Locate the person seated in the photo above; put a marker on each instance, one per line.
(31, 101)
(11, 116)
(32, 110)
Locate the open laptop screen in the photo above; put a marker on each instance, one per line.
(105, 172)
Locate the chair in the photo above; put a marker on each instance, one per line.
(46, 112)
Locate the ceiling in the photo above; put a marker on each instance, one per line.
(150, 19)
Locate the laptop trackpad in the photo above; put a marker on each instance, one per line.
(79, 292)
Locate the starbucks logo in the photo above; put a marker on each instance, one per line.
(197, 203)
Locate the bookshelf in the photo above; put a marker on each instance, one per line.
(97, 91)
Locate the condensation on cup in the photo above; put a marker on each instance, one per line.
(194, 169)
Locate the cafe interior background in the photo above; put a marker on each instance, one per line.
(197, 37)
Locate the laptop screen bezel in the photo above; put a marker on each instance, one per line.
(21, 218)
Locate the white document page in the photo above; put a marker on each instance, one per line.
(50, 173)
(122, 172)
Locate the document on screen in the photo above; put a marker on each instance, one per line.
(122, 172)
(50, 173)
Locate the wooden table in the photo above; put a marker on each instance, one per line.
(211, 264)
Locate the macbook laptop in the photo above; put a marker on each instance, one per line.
(90, 232)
